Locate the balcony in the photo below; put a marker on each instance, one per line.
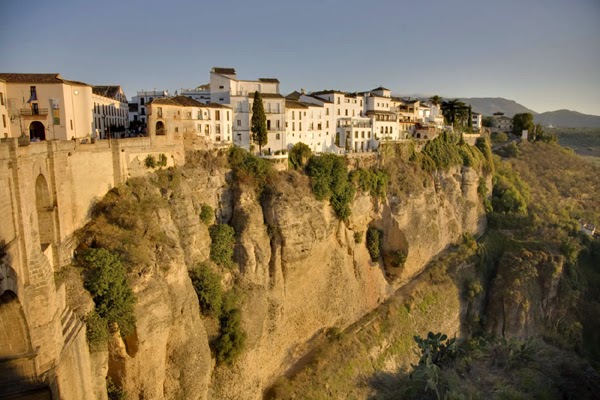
(27, 112)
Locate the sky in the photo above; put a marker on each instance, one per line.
(544, 54)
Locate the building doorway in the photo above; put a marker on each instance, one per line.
(160, 128)
(37, 132)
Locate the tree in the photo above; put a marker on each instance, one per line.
(435, 100)
(521, 122)
(299, 155)
(259, 122)
(488, 122)
(455, 112)
(470, 121)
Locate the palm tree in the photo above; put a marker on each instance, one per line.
(455, 112)
(435, 100)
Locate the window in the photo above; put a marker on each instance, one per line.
(221, 87)
(142, 101)
(4, 120)
(239, 122)
(293, 126)
(33, 93)
(299, 125)
(217, 114)
(227, 115)
(277, 124)
(300, 115)
(327, 124)
(338, 100)
(199, 127)
(1, 98)
(327, 111)
(346, 112)
(221, 99)
(268, 124)
(362, 134)
(277, 136)
(218, 129)
(176, 130)
(71, 124)
(293, 114)
(338, 111)
(207, 129)
(356, 135)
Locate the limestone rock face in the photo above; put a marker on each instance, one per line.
(301, 272)
(304, 272)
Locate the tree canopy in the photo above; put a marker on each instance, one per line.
(521, 122)
(259, 122)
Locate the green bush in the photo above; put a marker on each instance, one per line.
(299, 155)
(96, 331)
(150, 161)
(374, 243)
(358, 237)
(482, 187)
(207, 214)
(207, 284)
(499, 137)
(249, 168)
(106, 280)
(114, 392)
(162, 160)
(232, 338)
(222, 242)
(374, 182)
(398, 258)
(330, 181)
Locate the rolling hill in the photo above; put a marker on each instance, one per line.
(558, 118)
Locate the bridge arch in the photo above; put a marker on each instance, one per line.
(14, 333)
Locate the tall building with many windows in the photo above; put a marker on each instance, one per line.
(111, 111)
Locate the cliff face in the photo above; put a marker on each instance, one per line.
(301, 271)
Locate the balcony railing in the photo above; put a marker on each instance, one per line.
(31, 111)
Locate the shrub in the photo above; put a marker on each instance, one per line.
(372, 181)
(207, 214)
(398, 258)
(474, 288)
(106, 280)
(162, 160)
(249, 168)
(374, 242)
(499, 137)
(232, 338)
(114, 392)
(150, 161)
(482, 187)
(330, 181)
(221, 247)
(299, 155)
(207, 284)
(96, 331)
(358, 237)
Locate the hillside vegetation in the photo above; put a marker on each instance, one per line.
(526, 296)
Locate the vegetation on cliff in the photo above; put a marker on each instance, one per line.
(528, 298)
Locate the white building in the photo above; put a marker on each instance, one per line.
(201, 93)
(111, 111)
(225, 88)
(141, 99)
(501, 123)
(477, 121)
(310, 124)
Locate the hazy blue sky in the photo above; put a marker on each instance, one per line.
(544, 54)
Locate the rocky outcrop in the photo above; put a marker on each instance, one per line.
(301, 272)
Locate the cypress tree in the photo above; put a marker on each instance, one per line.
(259, 122)
(470, 122)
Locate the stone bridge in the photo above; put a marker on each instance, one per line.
(47, 191)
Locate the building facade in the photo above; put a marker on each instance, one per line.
(139, 114)
(46, 106)
(181, 115)
(111, 111)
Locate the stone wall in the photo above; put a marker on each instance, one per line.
(48, 191)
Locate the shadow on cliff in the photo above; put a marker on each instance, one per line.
(14, 384)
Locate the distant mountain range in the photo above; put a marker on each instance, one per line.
(558, 118)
